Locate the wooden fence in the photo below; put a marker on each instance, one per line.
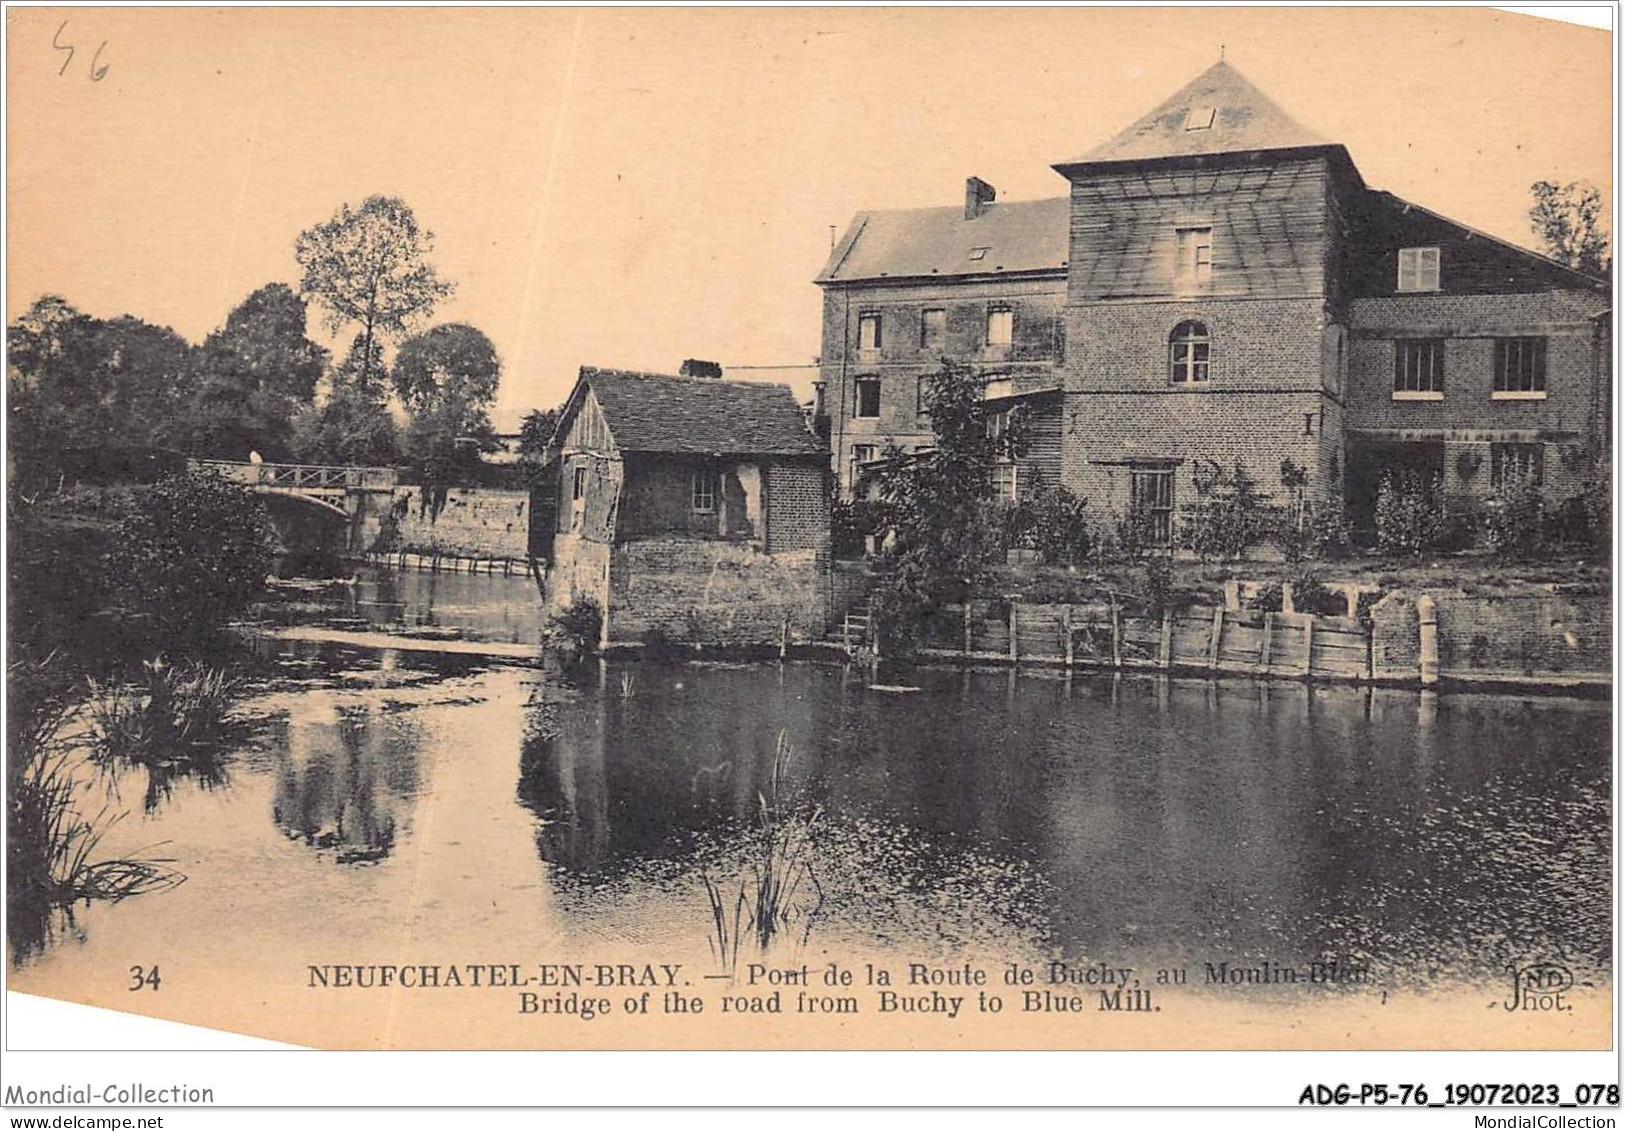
(1208, 638)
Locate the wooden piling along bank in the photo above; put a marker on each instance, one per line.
(1532, 640)
(449, 563)
(1207, 638)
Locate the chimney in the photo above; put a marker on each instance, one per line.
(694, 367)
(978, 195)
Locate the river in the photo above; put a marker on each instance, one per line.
(396, 806)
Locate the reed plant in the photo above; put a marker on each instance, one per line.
(177, 713)
(51, 844)
(779, 893)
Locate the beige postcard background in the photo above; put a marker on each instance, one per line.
(629, 187)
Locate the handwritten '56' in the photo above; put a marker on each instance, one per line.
(97, 73)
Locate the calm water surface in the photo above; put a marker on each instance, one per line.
(392, 803)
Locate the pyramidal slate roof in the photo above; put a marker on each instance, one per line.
(1242, 119)
(658, 413)
(1008, 237)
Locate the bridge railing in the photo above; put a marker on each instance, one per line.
(298, 476)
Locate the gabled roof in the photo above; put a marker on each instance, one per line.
(1243, 120)
(1015, 236)
(657, 413)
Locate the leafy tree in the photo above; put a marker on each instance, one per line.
(1571, 221)
(536, 432)
(368, 265)
(352, 426)
(78, 383)
(250, 378)
(193, 550)
(939, 504)
(447, 378)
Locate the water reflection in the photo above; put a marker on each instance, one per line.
(344, 781)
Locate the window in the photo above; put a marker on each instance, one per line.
(1520, 368)
(979, 252)
(997, 425)
(1514, 464)
(933, 328)
(578, 484)
(1418, 268)
(1000, 324)
(869, 332)
(1199, 118)
(1151, 501)
(1193, 256)
(867, 402)
(862, 454)
(705, 492)
(1188, 354)
(1004, 482)
(922, 396)
(1419, 370)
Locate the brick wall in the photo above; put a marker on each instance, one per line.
(1265, 378)
(722, 592)
(476, 522)
(580, 569)
(1468, 418)
(1038, 345)
(797, 508)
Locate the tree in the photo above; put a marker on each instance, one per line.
(367, 265)
(352, 426)
(250, 378)
(79, 384)
(1571, 221)
(447, 377)
(939, 504)
(536, 432)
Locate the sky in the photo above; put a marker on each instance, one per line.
(630, 187)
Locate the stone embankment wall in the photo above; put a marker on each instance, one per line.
(474, 522)
(714, 591)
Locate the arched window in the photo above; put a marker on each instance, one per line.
(1188, 354)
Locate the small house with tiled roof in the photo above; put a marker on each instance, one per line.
(688, 507)
(1219, 288)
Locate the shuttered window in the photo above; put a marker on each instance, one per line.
(1418, 268)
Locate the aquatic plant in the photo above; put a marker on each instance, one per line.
(50, 842)
(177, 713)
(580, 623)
(781, 890)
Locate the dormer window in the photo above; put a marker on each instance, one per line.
(1199, 118)
(1418, 269)
(1193, 257)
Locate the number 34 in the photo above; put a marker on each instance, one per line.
(143, 978)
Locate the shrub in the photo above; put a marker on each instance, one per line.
(194, 550)
(1159, 584)
(1053, 521)
(1229, 516)
(1515, 521)
(1410, 518)
(1321, 530)
(850, 524)
(580, 623)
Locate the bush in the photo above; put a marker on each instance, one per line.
(1159, 584)
(1322, 530)
(1410, 519)
(580, 623)
(1229, 516)
(194, 550)
(849, 525)
(1515, 521)
(1053, 521)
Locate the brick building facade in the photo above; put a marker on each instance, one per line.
(1220, 287)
